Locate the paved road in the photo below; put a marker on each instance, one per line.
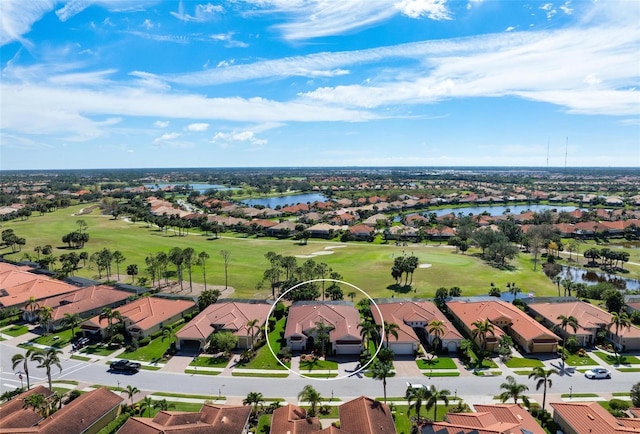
(470, 388)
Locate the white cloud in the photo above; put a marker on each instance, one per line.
(74, 7)
(202, 13)
(161, 124)
(227, 38)
(199, 127)
(592, 80)
(510, 29)
(166, 137)
(18, 16)
(434, 9)
(473, 3)
(238, 137)
(147, 24)
(566, 8)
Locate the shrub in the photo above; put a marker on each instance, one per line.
(618, 404)
(572, 344)
(144, 342)
(324, 409)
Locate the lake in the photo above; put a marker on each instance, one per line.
(290, 199)
(498, 209)
(201, 188)
(592, 277)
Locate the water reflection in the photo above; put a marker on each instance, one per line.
(592, 277)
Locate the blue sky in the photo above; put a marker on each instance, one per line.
(259, 83)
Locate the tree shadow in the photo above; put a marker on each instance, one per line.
(400, 289)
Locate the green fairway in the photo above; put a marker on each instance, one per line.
(362, 264)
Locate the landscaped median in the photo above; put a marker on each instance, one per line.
(207, 365)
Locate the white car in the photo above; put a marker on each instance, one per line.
(598, 373)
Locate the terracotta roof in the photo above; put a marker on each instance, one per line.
(18, 286)
(403, 311)
(84, 300)
(588, 316)
(331, 430)
(366, 416)
(591, 417)
(211, 419)
(146, 312)
(303, 317)
(521, 323)
(231, 316)
(81, 413)
(292, 419)
(13, 415)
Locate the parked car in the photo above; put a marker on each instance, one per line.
(596, 373)
(126, 366)
(415, 386)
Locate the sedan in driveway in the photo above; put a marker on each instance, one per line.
(598, 373)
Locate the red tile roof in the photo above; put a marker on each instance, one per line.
(84, 300)
(292, 419)
(366, 416)
(591, 417)
(303, 317)
(231, 316)
(14, 415)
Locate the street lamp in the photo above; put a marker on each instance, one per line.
(570, 392)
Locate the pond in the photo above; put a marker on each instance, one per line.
(592, 277)
(201, 188)
(291, 199)
(499, 209)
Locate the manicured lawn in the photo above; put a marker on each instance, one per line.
(519, 362)
(150, 368)
(264, 424)
(81, 358)
(366, 265)
(264, 359)
(59, 339)
(611, 360)
(621, 394)
(629, 369)
(402, 419)
(252, 374)
(97, 350)
(188, 395)
(308, 375)
(575, 360)
(437, 373)
(210, 362)
(174, 406)
(16, 330)
(154, 352)
(201, 372)
(318, 365)
(438, 363)
(579, 395)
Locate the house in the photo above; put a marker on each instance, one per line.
(142, 317)
(361, 232)
(18, 286)
(401, 232)
(374, 219)
(211, 419)
(231, 316)
(87, 414)
(292, 419)
(322, 230)
(496, 418)
(13, 413)
(413, 318)
(86, 302)
(591, 319)
(366, 416)
(589, 418)
(507, 319)
(282, 229)
(342, 317)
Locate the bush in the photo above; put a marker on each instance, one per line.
(285, 354)
(572, 344)
(144, 342)
(618, 404)
(324, 409)
(635, 394)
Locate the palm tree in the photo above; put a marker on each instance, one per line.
(369, 332)
(436, 328)
(148, 403)
(189, 258)
(620, 321)
(132, 270)
(557, 281)
(436, 395)
(251, 326)
(38, 402)
(382, 371)
(163, 405)
(109, 314)
(567, 321)
(415, 396)
(480, 332)
(167, 333)
(24, 359)
(352, 295)
(131, 391)
(202, 261)
(118, 258)
(71, 320)
(226, 259)
(513, 390)
(322, 334)
(32, 305)
(390, 329)
(255, 400)
(543, 377)
(44, 316)
(312, 396)
(47, 359)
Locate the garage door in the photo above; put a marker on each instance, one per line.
(401, 347)
(452, 346)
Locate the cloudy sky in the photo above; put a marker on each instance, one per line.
(258, 83)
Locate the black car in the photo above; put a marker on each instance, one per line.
(125, 366)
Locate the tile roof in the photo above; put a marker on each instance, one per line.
(343, 318)
(521, 323)
(81, 413)
(231, 316)
(13, 415)
(18, 286)
(591, 417)
(146, 312)
(366, 416)
(211, 419)
(403, 311)
(588, 316)
(84, 300)
(292, 419)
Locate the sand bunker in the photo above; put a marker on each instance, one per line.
(424, 266)
(334, 247)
